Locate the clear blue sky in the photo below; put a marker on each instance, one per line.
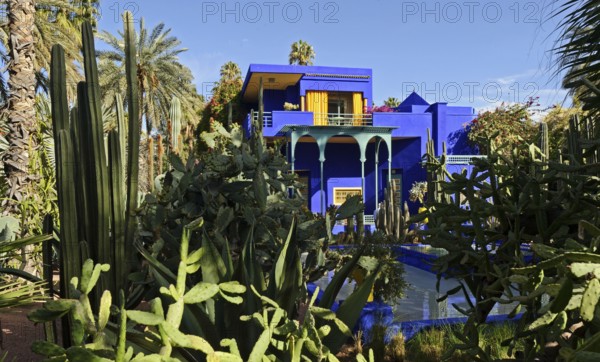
(476, 53)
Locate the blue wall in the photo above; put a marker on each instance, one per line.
(342, 167)
(273, 100)
(337, 85)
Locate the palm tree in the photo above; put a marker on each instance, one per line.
(392, 102)
(33, 27)
(230, 72)
(577, 51)
(55, 22)
(21, 97)
(160, 74)
(302, 53)
(160, 77)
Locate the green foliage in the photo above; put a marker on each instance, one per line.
(390, 286)
(576, 52)
(557, 120)
(392, 219)
(391, 102)
(42, 197)
(510, 124)
(55, 22)
(253, 233)
(513, 197)
(432, 344)
(225, 105)
(302, 53)
(14, 293)
(160, 76)
(94, 209)
(94, 337)
(175, 120)
(165, 335)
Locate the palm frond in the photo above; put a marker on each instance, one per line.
(577, 49)
(17, 293)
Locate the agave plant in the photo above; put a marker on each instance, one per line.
(165, 335)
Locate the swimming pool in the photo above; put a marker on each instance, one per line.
(420, 307)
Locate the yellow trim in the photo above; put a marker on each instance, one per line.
(316, 102)
(302, 104)
(359, 276)
(344, 192)
(421, 210)
(357, 108)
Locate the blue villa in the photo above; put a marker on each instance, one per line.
(337, 146)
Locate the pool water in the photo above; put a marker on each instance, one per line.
(420, 308)
(420, 302)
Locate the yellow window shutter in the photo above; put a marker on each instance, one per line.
(357, 108)
(316, 102)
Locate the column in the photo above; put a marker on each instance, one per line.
(322, 143)
(388, 141)
(362, 140)
(322, 161)
(362, 177)
(293, 140)
(377, 173)
(302, 103)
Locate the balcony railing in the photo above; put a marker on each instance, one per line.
(343, 119)
(462, 159)
(267, 118)
(325, 119)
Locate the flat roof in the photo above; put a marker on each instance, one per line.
(277, 76)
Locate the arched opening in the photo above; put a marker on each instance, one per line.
(307, 170)
(342, 169)
(336, 159)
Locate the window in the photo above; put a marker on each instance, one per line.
(339, 102)
(336, 106)
(340, 194)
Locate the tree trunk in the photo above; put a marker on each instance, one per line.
(21, 100)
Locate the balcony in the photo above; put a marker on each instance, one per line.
(405, 124)
(342, 119)
(274, 121)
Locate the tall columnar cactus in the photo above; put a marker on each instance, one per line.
(545, 153)
(436, 173)
(94, 210)
(573, 143)
(133, 132)
(589, 126)
(544, 141)
(160, 153)
(229, 115)
(391, 219)
(150, 163)
(175, 115)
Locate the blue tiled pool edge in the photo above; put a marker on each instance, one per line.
(379, 313)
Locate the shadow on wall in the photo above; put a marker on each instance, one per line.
(458, 143)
